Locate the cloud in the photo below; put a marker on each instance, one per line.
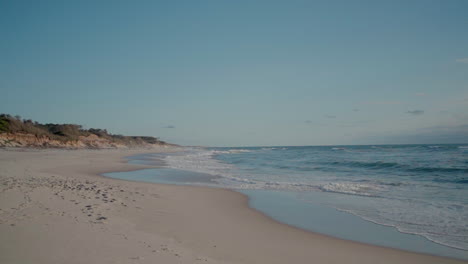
(462, 60)
(308, 122)
(170, 126)
(382, 102)
(415, 112)
(330, 116)
(357, 123)
(355, 110)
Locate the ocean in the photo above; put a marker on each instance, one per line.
(412, 197)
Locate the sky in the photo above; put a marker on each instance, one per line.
(241, 73)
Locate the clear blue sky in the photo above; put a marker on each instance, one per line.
(237, 73)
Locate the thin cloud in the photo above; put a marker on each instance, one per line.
(330, 116)
(308, 122)
(415, 112)
(355, 110)
(462, 60)
(420, 94)
(382, 102)
(358, 123)
(170, 126)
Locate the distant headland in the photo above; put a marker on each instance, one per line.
(17, 132)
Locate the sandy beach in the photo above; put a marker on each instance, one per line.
(56, 208)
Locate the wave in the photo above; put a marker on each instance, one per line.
(249, 184)
(348, 188)
(442, 235)
(338, 148)
(353, 188)
(438, 169)
(198, 161)
(363, 164)
(268, 148)
(274, 148)
(380, 165)
(203, 162)
(231, 151)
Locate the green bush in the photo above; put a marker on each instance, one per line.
(67, 132)
(3, 126)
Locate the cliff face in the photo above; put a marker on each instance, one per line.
(91, 141)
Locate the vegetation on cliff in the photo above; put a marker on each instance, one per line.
(69, 133)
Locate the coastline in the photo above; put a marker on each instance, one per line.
(45, 219)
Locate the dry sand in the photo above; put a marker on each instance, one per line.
(54, 208)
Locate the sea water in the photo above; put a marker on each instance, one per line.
(412, 197)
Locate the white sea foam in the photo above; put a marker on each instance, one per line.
(273, 148)
(441, 222)
(198, 161)
(338, 148)
(202, 161)
(363, 189)
(230, 151)
(239, 151)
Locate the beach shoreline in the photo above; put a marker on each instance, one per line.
(57, 207)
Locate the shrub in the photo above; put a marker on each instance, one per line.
(67, 132)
